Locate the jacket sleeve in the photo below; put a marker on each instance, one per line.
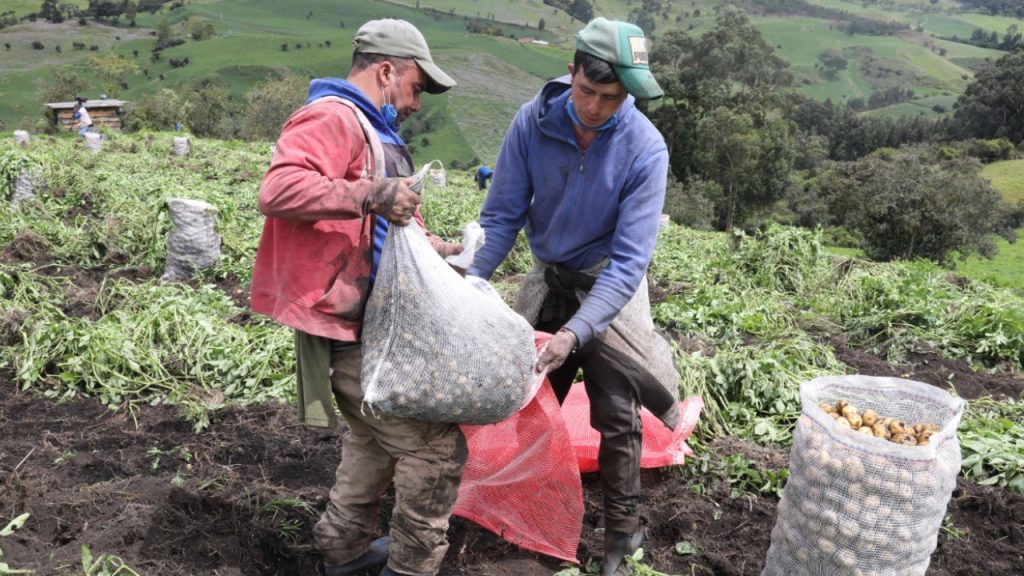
(504, 211)
(314, 175)
(636, 233)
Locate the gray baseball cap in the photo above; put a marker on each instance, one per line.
(401, 39)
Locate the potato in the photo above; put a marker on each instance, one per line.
(905, 439)
(854, 419)
(869, 417)
(826, 407)
(849, 410)
(842, 422)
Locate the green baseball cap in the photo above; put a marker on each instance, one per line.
(624, 47)
(401, 39)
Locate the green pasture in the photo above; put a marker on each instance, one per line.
(557, 24)
(801, 40)
(906, 8)
(964, 24)
(863, 10)
(917, 107)
(248, 49)
(1008, 178)
(23, 7)
(1006, 269)
(961, 50)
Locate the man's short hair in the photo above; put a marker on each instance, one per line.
(363, 60)
(595, 69)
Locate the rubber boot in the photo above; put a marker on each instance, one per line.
(377, 554)
(618, 545)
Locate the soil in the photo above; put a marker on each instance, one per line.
(241, 497)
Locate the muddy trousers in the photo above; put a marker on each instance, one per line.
(424, 460)
(615, 414)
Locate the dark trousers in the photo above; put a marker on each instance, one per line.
(615, 414)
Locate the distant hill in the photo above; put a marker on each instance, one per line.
(257, 39)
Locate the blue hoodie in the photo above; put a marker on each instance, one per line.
(320, 87)
(577, 207)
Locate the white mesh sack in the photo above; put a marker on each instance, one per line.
(434, 347)
(180, 145)
(93, 141)
(859, 505)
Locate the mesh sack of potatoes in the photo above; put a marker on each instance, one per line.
(435, 347)
(872, 468)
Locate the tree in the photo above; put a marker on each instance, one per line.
(66, 84)
(51, 12)
(109, 9)
(154, 111)
(750, 165)
(581, 10)
(831, 63)
(201, 30)
(113, 68)
(268, 105)
(163, 32)
(729, 66)
(993, 105)
(208, 109)
(906, 205)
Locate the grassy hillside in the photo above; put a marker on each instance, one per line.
(495, 74)
(248, 49)
(1008, 178)
(1007, 268)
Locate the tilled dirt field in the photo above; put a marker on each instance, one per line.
(241, 497)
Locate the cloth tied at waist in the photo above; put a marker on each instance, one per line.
(631, 342)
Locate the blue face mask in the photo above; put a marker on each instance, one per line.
(609, 123)
(390, 115)
(387, 109)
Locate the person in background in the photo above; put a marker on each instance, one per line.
(81, 117)
(584, 172)
(483, 176)
(338, 180)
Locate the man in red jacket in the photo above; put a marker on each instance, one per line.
(338, 179)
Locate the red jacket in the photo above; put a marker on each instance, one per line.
(312, 268)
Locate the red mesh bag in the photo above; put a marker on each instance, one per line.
(522, 480)
(661, 446)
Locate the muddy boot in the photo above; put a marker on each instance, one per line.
(618, 545)
(377, 554)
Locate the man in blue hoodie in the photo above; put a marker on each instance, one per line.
(584, 173)
(338, 180)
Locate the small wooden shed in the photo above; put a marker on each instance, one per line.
(105, 113)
